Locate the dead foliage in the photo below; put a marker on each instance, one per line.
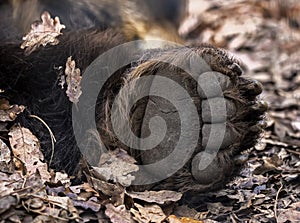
(266, 36)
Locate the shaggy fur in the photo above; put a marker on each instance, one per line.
(138, 16)
(244, 123)
(33, 81)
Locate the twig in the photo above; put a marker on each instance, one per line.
(276, 201)
(53, 140)
(292, 151)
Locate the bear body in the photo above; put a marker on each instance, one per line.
(33, 80)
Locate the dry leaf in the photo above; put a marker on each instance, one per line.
(186, 211)
(5, 155)
(25, 146)
(6, 202)
(218, 207)
(280, 130)
(233, 27)
(6, 165)
(291, 214)
(174, 219)
(9, 112)
(63, 178)
(85, 187)
(3, 127)
(116, 192)
(148, 213)
(117, 166)
(63, 202)
(36, 204)
(42, 33)
(296, 126)
(60, 208)
(159, 197)
(94, 206)
(43, 218)
(118, 214)
(73, 79)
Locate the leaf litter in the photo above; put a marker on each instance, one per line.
(266, 36)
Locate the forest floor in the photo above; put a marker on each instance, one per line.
(265, 35)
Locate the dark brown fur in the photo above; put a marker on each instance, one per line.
(33, 81)
(244, 122)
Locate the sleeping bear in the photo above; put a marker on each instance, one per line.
(183, 112)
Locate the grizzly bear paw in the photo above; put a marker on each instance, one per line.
(191, 113)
